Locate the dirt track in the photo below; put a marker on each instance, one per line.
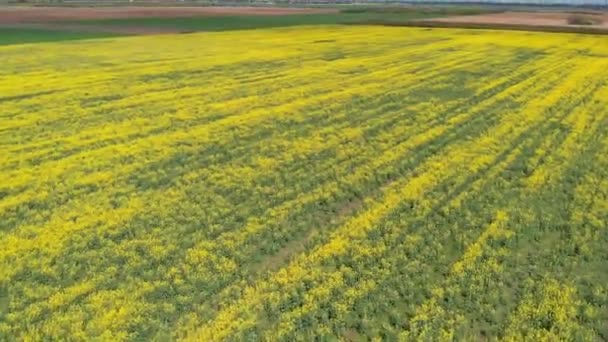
(19, 15)
(532, 19)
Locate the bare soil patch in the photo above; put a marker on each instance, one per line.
(526, 19)
(20, 15)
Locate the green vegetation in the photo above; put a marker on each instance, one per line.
(34, 35)
(255, 22)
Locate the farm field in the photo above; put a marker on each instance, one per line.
(12, 35)
(339, 182)
(20, 25)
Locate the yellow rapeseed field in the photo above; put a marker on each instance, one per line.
(339, 182)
